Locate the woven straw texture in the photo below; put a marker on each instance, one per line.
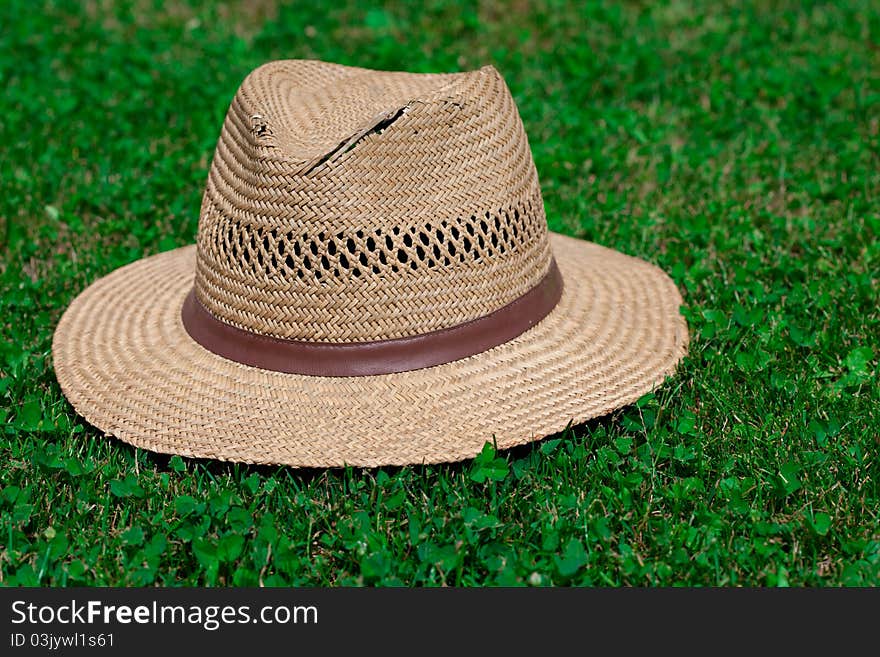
(128, 366)
(347, 205)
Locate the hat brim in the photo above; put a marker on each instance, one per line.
(128, 366)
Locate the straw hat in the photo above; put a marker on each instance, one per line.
(373, 283)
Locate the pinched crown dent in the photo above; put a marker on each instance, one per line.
(349, 205)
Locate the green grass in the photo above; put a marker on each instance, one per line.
(735, 146)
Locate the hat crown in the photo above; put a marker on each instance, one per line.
(349, 205)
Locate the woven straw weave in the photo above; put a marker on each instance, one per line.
(347, 205)
(350, 205)
(135, 373)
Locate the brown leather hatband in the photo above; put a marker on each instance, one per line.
(381, 356)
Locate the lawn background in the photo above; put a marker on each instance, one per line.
(733, 144)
